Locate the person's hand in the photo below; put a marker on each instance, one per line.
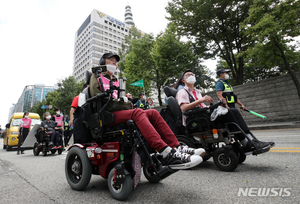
(224, 101)
(243, 107)
(128, 95)
(71, 123)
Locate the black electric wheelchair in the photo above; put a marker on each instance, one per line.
(107, 150)
(43, 143)
(218, 140)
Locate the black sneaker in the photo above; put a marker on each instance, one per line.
(272, 144)
(260, 145)
(177, 160)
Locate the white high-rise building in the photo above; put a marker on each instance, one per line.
(98, 34)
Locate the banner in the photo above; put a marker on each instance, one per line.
(139, 83)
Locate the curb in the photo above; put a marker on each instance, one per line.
(279, 125)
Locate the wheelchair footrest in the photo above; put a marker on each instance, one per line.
(165, 171)
(260, 151)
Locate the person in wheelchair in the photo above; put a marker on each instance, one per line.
(58, 119)
(189, 97)
(152, 126)
(49, 126)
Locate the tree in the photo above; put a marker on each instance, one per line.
(139, 63)
(172, 57)
(273, 24)
(61, 98)
(213, 26)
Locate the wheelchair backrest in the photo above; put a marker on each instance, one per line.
(173, 105)
(170, 91)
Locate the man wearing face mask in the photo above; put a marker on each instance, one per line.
(189, 97)
(49, 126)
(152, 126)
(142, 103)
(225, 91)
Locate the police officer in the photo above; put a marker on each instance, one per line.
(225, 91)
(142, 103)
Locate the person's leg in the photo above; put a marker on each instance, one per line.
(19, 142)
(24, 135)
(52, 139)
(141, 120)
(170, 156)
(162, 128)
(240, 120)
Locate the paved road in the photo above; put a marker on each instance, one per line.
(27, 179)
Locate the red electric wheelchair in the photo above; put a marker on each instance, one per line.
(109, 151)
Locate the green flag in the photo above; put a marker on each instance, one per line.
(139, 83)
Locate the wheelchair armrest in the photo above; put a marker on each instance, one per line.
(195, 111)
(101, 95)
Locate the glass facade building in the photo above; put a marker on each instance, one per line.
(31, 95)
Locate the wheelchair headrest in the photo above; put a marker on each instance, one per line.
(88, 75)
(170, 91)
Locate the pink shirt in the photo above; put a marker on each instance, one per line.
(183, 97)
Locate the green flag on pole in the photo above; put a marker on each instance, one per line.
(139, 83)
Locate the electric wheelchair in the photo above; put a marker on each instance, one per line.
(43, 143)
(108, 151)
(218, 140)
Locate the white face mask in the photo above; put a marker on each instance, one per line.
(26, 116)
(191, 80)
(144, 97)
(226, 76)
(57, 113)
(48, 117)
(111, 68)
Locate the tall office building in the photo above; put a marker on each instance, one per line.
(98, 34)
(31, 95)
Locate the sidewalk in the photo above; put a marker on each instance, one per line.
(275, 125)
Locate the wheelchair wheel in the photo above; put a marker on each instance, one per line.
(59, 151)
(240, 154)
(44, 151)
(78, 168)
(150, 173)
(184, 141)
(124, 190)
(225, 164)
(36, 149)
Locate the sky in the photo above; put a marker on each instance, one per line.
(37, 39)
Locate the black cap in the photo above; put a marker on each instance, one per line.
(141, 94)
(183, 73)
(220, 71)
(109, 55)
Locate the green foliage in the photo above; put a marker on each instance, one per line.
(273, 24)
(213, 27)
(61, 98)
(158, 61)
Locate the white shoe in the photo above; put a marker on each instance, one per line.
(191, 151)
(177, 160)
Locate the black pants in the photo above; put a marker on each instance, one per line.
(67, 135)
(22, 136)
(235, 116)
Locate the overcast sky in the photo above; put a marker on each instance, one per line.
(37, 38)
